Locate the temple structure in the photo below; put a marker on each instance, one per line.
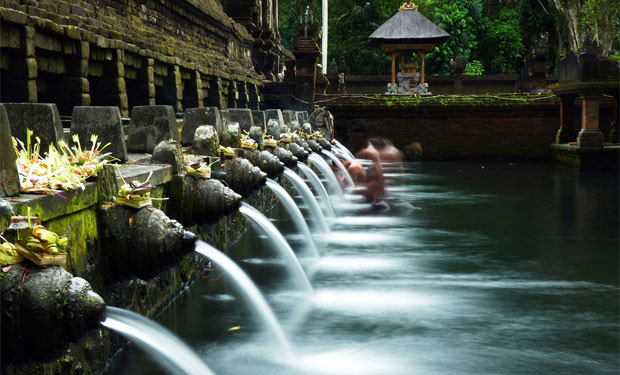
(408, 35)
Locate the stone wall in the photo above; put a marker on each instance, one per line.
(124, 53)
(79, 218)
(447, 127)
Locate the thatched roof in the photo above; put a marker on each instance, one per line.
(408, 27)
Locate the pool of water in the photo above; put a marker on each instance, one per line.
(499, 269)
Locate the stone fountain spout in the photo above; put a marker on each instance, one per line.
(44, 309)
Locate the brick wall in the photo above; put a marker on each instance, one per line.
(452, 131)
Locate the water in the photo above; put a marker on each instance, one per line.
(343, 148)
(162, 345)
(326, 171)
(318, 187)
(308, 197)
(506, 269)
(284, 250)
(341, 168)
(289, 203)
(252, 296)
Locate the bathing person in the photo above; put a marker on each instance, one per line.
(375, 184)
(388, 153)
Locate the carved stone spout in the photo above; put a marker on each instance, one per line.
(264, 160)
(207, 201)
(285, 156)
(44, 309)
(298, 151)
(142, 242)
(242, 176)
(315, 146)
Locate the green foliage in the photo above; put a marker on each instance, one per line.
(456, 20)
(474, 68)
(501, 48)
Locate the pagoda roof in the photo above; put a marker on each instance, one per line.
(406, 29)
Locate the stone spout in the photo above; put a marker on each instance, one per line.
(44, 309)
(298, 151)
(142, 242)
(315, 146)
(242, 176)
(264, 160)
(324, 142)
(207, 201)
(285, 156)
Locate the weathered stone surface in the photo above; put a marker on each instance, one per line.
(169, 152)
(206, 141)
(195, 117)
(150, 125)
(42, 311)
(322, 120)
(298, 151)
(288, 116)
(9, 178)
(302, 116)
(275, 114)
(273, 129)
(242, 176)
(260, 119)
(285, 156)
(315, 146)
(243, 116)
(256, 133)
(207, 201)
(43, 119)
(105, 122)
(142, 242)
(231, 135)
(306, 127)
(324, 143)
(264, 160)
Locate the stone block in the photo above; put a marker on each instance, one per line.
(42, 118)
(231, 135)
(288, 116)
(105, 122)
(195, 117)
(243, 116)
(300, 116)
(275, 114)
(9, 179)
(206, 141)
(150, 125)
(260, 119)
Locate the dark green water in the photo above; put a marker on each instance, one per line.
(500, 269)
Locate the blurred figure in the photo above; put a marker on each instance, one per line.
(375, 184)
(388, 153)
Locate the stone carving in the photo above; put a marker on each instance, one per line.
(323, 121)
(43, 311)
(243, 116)
(195, 117)
(206, 141)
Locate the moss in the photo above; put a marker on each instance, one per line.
(488, 100)
(81, 231)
